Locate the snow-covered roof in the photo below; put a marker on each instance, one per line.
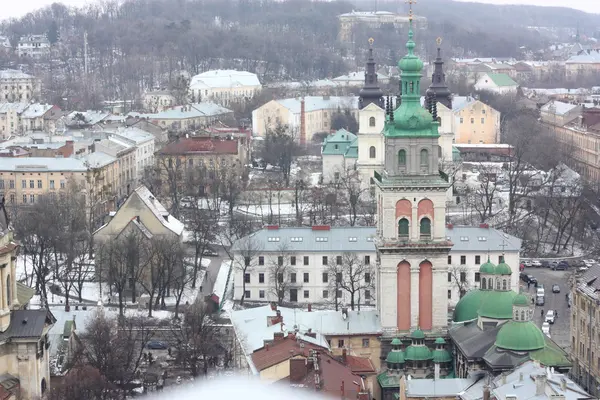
(558, 107)
(92, 117)
(136, 135)
(314, 103)
(196, 110)
(14, 74)
(358, 76)
(220, 285)
(591, 57)
(18, 107)
(224, 78)
(169, 221)
(36, 110)
(42, 164)
(98, 159)
(366, 13)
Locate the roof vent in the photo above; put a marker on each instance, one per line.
(24, 322)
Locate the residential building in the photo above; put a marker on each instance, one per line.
(497, 83)
(24, 355)
(474, 122)
(10, 118)
(585, 330)
(34, 46)
(19, 118)
(338, 154)
(158, 100)
(85, 119)
(374, 19)
(125, 156)
(188, 117)
(584, 64)
(493, 328)
(560, 113)
(224, 86)
(144, 143)
(303, 117)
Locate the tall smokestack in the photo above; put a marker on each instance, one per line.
(302, 123)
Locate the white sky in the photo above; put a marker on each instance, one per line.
(12, 8)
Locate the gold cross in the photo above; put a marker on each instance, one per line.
(410, 11)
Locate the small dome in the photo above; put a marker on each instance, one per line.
(410, 62)
(521, 300)
(396, 342)
(441, 356)
(395, 357)
(466, 309)
(498, 305)
(418, 353)
(440, 341)
(503, 269)
(520, 336)
(417, 334)
(487, 268)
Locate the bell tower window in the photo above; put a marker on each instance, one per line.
(411, 87)
(402, 158)
(425, 228)
(424, 158)
(372, 151)
(403, 228)
(372, 121)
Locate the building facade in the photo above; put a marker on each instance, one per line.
(224, 86)
(34, 46)
(374, 20)
(16, 86)
(474, 122)
(157, 101)
(497, 83)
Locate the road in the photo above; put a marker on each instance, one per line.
(560, 330)
(211, 272)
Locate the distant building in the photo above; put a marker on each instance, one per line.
(339, 153)
(34, 46)
(496, 83)
(158, 100)
(473, 121)
(16, 86)
(584, 64)
(357, 79)
(374, 20)
(224, 86)
(188, 117)
(559, 113)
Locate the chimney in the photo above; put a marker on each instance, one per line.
(311, 334)
(273, 306)
(449, 226)
(272, 227)
(484, 226)
(344, 312)
(309, 310)
(520, 377)
(344, 356)
(298, 369)
(267, 347)
(563, 383)
(486, 392)
(302, 123)
(278, 336)
(540, 385)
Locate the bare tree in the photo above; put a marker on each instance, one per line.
(458, 275)
(279, 149)
(282, 275)
(353, 192)
(484, 195)
(248, 249)
(82, 382)
(352, 275)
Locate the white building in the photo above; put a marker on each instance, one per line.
(224, 86)
(370, 142)
(18, 86)
(157, 101)
(497, 83)
(144, 148)
(311, 250)
(34, 46)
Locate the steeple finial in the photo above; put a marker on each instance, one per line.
(371, 92)
(410, 10)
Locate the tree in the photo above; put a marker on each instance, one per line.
(180, 89)
(483, 196)
(282, 275)
(458, 275)
(353, 193)
(53, 33)
(351, 275)
(82, 382)
(249, 249)
(344, 120)
(279, 149)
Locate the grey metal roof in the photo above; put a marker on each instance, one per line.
(26, 324)
(34, 164)
(472, 341)
(437, 387)
(589, 283)
(481, 239)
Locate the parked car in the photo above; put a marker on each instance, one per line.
(531, 279)
(553, 264)
(540, 301)
(540, 292)
(536, 263)
(555, 288)
(210, 252)
(528, 263)
(561, 266)
(523, 277)
(545, 263)
(550, 317)
(156, 345)
(546, 328)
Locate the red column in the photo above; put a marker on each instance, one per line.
(403, 296)
(425, 296)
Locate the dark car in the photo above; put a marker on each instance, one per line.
(531, 279)
(523, 277)
(555, 288)
(545, 263)
(561, 266)
(156, 345)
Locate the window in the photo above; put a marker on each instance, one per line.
(403, 228)
(247, 261)
(336, 176)
(463, 276)
(341, 343)
(372, 151)
(324, 260)
(461, 121)
(246, 278)
(62, 184)
(449, 260)
(32, 184)
(483, 111)
(367, 295)
(306, 294)
(293, 295)
(261, 260)
(401, 158)
(325, 294)
(504, 284)
(305, 260)
(367, 277)
(477, 260)
(261, 294)
(39, 183)
(338, 260)
(32, 198)
(247, 294)
(24, 198)
(477, 277)
(293, 277)
(338, 277)
(305, 277)
(51, 184)
(325, 277)
(463, 260)
(23, 184)
(372, 121)
(449, 293)
(280, 277)
(472, 120)
(449, 276)
(483, 120)
(425, 228)
(424, 158)
(500, 259)
(11, 184)
(338, 294)
(293, 260)
(280, 260)
(8, 291)
(365, 343)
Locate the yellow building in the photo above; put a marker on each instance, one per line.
(474, 121)
(586, 64)
(24, 356)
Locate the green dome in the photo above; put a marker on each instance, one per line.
(395, 357)
(521, 300)
(498, 305)
(467, 308)
(440, 356)
(417, 334)
(440, 341)
(520, 336)
(396, 342)
(410, 63)
(503, 269)
(418, 353)
(487, 268)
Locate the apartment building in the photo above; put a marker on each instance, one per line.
(224, 86)
(158, 100)
(310, 251)
(34, 46)
(18, 118)
(188, 117)
(373, 20)
(560, 113)
(474, 121)
(585, 331)
(16, 86)
(585, 64)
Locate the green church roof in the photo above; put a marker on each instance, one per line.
(497, 305)
(440, 341)
(487, 267)
(417, 334)
(467, 308)
(440, 356)
(418, 353)
(352, 151)
(552, 355)
(502, 79)
(395, 357)
(503, 269)
(520, 336)
(521, 300)
(338, 143)
(396, 342)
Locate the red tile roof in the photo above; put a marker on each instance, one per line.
(281, 350)
(204, 145)
(360, 365)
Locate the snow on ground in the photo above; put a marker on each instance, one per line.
(263, 210)
(315, 178)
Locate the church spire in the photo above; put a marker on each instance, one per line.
(438, 80)
(371, 93)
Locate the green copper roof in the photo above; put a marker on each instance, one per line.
(520, 336)
(388, 380)
(551, 355)
(396, 342)
(440, 341)
(338, 143)
(395, 357)
(352, 151)
(497, 305)
(466, 309)
(410, 62)
(440, 356)
(503, 269)
(418, 353)
(521, 300)
(417, 334)
(455, 154)
(487, 267)
(502, 80)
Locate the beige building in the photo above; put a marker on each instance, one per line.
(303, 116)
(474, 122)
(158, 100)
(586, 64)
(18, 86)
(224, 86)
(374, 20)
(559, 113)
(24, 355)
(188, 117)
(18, 118)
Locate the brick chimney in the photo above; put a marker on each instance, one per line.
(311, 334)
(484, 226)
(273, 306)
(302, 123)
(273, 320)
(309, 307)
(278, 336)
(298, 369)
(486, 392)
(344, 356)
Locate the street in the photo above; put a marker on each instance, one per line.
(560, 330)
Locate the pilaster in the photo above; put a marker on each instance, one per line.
(414, 293)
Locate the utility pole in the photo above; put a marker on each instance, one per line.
(85, 53)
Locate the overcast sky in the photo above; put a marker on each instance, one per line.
(17, 8)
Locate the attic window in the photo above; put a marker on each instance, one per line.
(369, 239)
(296, 239)
(321, 239)
(464, 238)
(273, 239)
(482, 239)
(352, 239)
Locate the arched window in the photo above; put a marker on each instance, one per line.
(401, 158)
(424, 158)
(372, 151)
(8, 294)
(483, 285)
(497, 283)
(522, 315)
(372, 121)
(504, 284)
(425, 228)
(403, 228)
(490, 284)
